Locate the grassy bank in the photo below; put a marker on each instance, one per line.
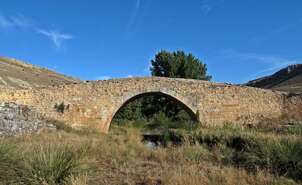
(203, 156)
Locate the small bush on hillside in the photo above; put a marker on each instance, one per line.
(61, 108)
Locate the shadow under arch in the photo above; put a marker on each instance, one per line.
(192, 112)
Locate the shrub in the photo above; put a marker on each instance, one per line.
(61, 107)
(52, 164)
(287, 158)
(282, 157)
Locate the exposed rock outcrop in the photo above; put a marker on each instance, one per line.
(18, 119)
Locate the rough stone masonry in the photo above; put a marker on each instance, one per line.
(96, 103)
(18, 119)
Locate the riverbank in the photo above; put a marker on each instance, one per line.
(207, 156)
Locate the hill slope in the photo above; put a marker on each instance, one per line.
(17, 74)
(288, 79)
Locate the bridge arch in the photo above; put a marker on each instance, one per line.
(183, 102)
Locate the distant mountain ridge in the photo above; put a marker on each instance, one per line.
(16, 74)
(287, 79)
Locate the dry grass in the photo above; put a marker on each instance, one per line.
(121, 158)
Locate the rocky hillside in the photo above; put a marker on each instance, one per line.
(19, 119)
(288, 79)
(17, 74)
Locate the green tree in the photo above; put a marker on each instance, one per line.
(178, 65)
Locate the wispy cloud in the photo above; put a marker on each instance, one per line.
(4, 22)
(23, 22)
(19, 21)
(206, 8)
(134, 16)
(271, 63)
(140, 9)
(208, 5)
(277, 31)
(56, 37)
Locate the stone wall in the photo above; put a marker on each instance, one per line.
(96, 103)
(20, 119)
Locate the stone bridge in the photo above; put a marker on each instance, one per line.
(96, 103)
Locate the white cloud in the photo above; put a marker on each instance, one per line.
(129, 76)
(19, 21)
(56, 37)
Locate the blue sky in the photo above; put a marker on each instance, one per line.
(239, 40)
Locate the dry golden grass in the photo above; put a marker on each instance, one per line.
(121, 158)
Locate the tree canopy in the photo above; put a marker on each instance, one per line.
(178, 65)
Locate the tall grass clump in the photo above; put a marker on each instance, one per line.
(280, 156)
(52, 164)
(77, 180)
(251, 150)
(10, 170)
(5, 160)
(287, 158)
(294, 130)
